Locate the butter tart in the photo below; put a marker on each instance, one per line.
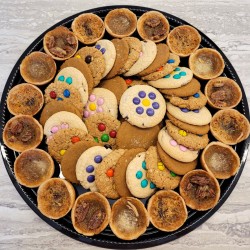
(33, 167)
(220, 159)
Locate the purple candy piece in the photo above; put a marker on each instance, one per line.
(103, 50)
(90, 169)
(196, 110)
(155, 105)
(98, 46)
(152, 95)
(185, 110)
(98, 159)
(136, 100)
(91, 178)
(142, 94)
(139, 110)
(150, 112)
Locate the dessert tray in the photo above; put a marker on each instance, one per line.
(107, 239)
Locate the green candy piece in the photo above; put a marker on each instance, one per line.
(172, 174)
(105, 138)
(96, 139)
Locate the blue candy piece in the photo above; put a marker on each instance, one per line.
(182, 73)
(144, 183)
(150, 112)
(98, 159)
(61, 78)
(197, 95)
(152, 95)
(139, 110)
(167, 76)
(139, 174)
(59, 99)
(103, 50)
(66, 93)
(177, 69)
(171, 61)
(176, 76)
(155, 105)
(142, 94)
(90, 169)
(196, 110)
(185, 110)
(144, 165)
(69, 80)
(91, 178)
(152, 185)
(136, 100)
(98, 46)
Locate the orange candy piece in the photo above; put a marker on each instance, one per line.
(160, 69)
(128, 81)
(75, 139)
(110, 172)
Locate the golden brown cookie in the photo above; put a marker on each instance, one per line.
(183, 40)
(153, 25)
(81, 66)
(121, 168)
(38, 68)
(63, 92)
(136, 137)
(187, 90)
(103, 127)
(122, 52)
(53, 107)
(230, 126)
(129, 218)
(167, 210)
(117, 85)
(200, 190)
(95, 61)
(198, 130)
(25, 99)
(90, 214)
(71, 156)
(104, 174)
(173, 165)
(55, 198)
(63, 139)
(32, 167)
(220, 160)
(189, 140)
(158, 173)
(88, 28)
(206, 63)
(223, 93)
(120, 22)
(22, 132)
(160, 60)
(60, 43)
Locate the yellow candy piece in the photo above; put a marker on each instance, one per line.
(161, 166)
(182, 132)
(92, 106)
(146, 102)
(78, 56)
(62, 152)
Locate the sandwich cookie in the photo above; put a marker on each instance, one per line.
(179, 77)
(136, 177)
(142, 106)
(87, 164)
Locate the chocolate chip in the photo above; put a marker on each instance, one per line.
(88, 59)
(107, 146)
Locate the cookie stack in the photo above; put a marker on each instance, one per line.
(102, 113)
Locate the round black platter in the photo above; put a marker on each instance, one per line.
(107, 239)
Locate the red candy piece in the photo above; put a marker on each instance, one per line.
(128, 81)
(75, 139)
(110, 172)
(52, 94)
(112, 134)
(101, 127)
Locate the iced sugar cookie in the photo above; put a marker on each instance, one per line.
(101, 101)
(158, 173)
(177, 78)
(142, 106)
(109, 53)
(62, 120)
(136, 177)
(87, 164)
(175, 150)
(74, 77)
(198, 117)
